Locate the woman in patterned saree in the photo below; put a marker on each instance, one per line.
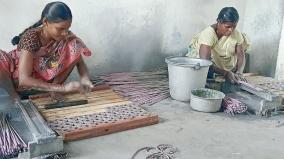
(46, 54)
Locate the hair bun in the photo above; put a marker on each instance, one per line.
(15, 40)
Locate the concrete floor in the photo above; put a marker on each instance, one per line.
(197, 135)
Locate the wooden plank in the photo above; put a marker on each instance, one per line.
(107, 98)
(90, 100)
(104, 129)
(103, 105)
(90, 109)
(260, 92)
(85, 106)
(95, 94)
(260, 81)
(65, 104)
(100, 97)
(56, 117)
(250, 74)
(96, 88)
(255, 80)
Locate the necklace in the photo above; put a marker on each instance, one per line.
(50, 59)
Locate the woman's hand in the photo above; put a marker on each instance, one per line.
(83, 72)
(73, 86)
(234, 78)
(240, 77)
(86, 84)
(230, 76)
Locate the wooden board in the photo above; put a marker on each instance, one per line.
(96, 88)
(104, 129)
(106, 112)
(94, 126)
(266, 83)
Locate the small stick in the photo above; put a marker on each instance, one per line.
(65, 104)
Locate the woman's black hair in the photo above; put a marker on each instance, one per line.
(228, 14)
(54, 12)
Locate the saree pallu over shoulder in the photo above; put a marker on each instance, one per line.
(63, 54)
(5, 61)
(55, 57)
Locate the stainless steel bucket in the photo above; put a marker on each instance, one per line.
(186, 74)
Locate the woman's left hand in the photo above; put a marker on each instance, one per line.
(86, 84)
(240, 77)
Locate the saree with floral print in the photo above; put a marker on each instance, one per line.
(49, 60)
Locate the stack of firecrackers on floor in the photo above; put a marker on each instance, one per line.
(142, 88)
(10, 141)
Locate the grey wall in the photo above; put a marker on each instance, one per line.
(136, 35)
(263, 24)
(279, 74)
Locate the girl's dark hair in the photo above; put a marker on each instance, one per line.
(54, 12)
(228, 14)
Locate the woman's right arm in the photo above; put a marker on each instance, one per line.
(205, 53)
(25, 75)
